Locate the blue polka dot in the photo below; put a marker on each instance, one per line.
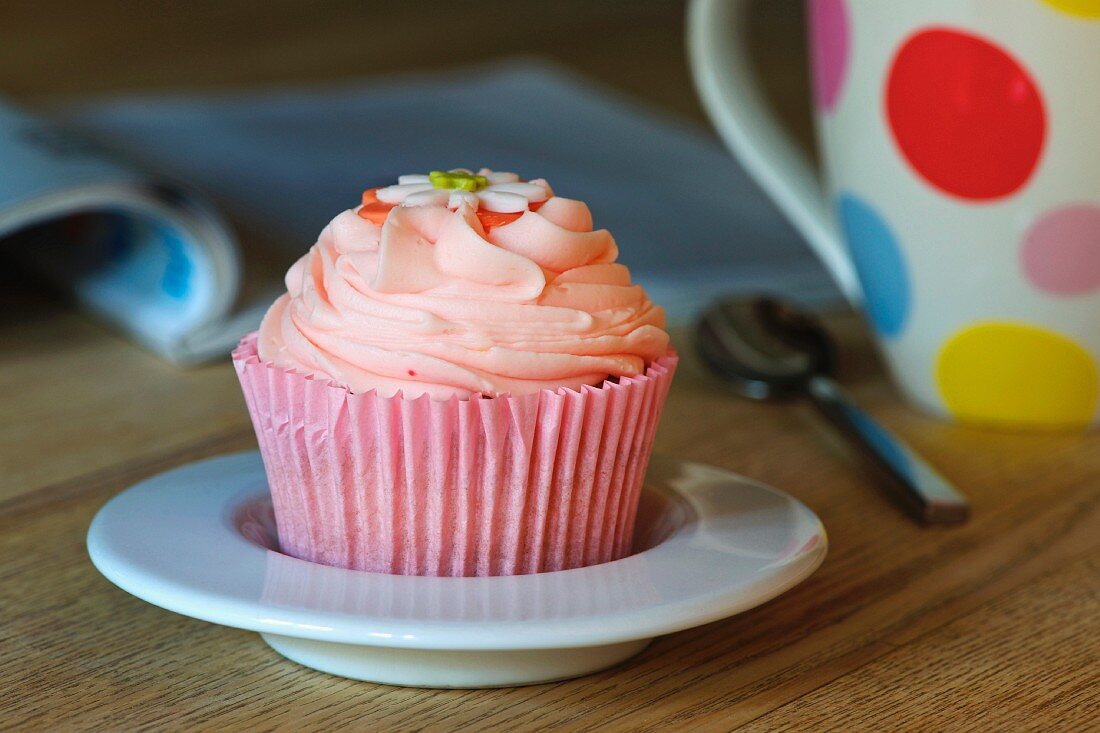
(879, 264)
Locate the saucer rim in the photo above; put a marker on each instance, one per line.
(595, 629)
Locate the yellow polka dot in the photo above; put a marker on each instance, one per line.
(1083, 8)
(1012, 374)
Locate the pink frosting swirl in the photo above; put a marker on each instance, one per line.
(431, 303)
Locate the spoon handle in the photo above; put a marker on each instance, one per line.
(919, 488)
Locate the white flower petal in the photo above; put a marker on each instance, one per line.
(498, 176)
(428, 197)
(459, 197)
(502, 202)
(413, 178)
(542, 182)
(530, 191)
(396, 194)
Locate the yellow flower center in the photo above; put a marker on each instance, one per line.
(461, 180)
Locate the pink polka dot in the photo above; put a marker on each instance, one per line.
(965, 113)
(1061, 251)
(828, 21)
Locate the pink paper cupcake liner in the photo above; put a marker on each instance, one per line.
(478, 486)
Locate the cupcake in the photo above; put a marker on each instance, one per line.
(460, 380)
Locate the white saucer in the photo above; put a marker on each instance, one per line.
(199, 540)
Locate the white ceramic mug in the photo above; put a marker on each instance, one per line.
(961, 195)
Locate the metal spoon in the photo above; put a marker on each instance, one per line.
(768, 348)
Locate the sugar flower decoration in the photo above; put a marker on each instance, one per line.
(499, 192)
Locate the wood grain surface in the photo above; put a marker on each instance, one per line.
(988, 626)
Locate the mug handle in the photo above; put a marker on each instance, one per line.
(723, 77)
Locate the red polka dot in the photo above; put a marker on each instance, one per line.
(965, 114)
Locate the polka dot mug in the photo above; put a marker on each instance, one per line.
(961, 147)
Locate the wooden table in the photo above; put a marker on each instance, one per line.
(989, 626)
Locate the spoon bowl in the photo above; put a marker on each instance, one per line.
(763, 346)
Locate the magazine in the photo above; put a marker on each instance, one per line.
(141, 251)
